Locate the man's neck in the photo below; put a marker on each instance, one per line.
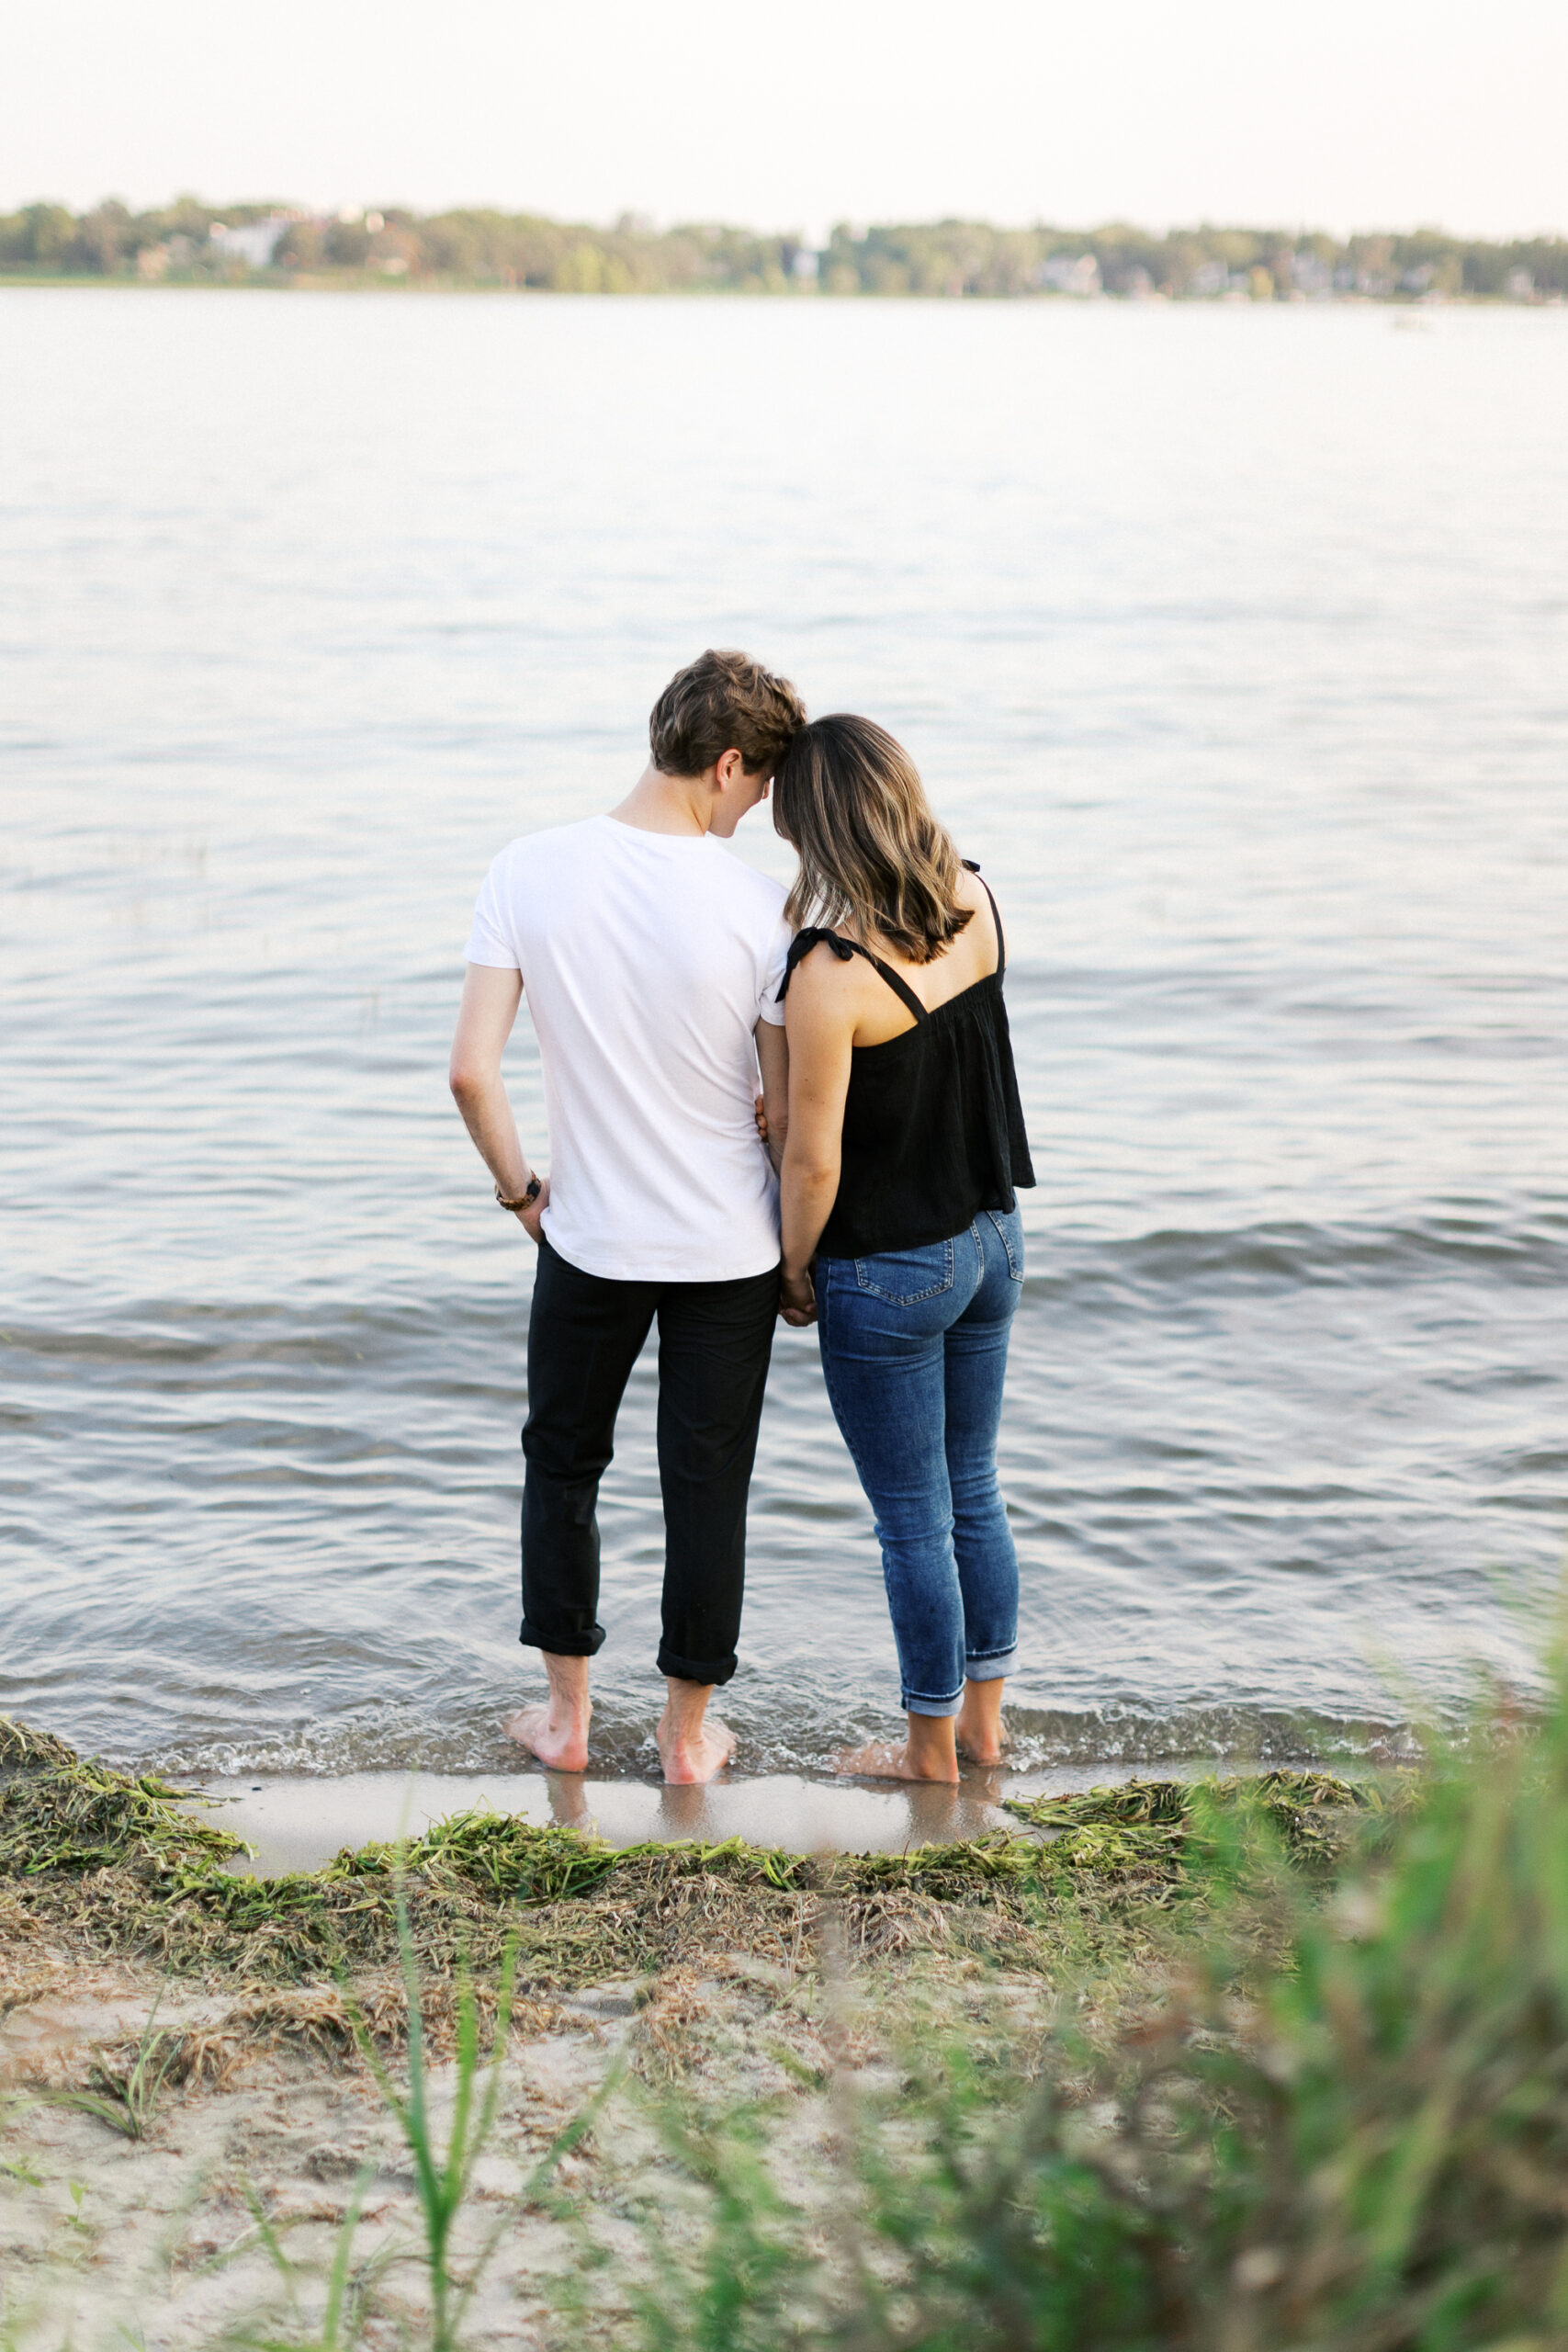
(667, 804)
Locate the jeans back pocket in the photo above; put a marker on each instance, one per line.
(904, 1276)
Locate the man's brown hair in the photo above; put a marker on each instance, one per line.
(723, 702)
(849, 800)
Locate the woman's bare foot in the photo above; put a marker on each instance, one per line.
(691, 1748)
(889, 1759)
(978, 1729)
(556, 1731)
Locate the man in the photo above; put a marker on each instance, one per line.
(653, 959)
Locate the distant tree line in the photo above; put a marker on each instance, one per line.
(192, 242)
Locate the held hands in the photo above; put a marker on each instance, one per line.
(529, 1218)
(798, 1298)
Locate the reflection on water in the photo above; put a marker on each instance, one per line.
(306, 606)
(298, 1825)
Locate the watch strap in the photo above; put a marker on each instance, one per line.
(525, 1200)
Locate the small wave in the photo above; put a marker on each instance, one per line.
(1291, 1256)
(1221, 1733)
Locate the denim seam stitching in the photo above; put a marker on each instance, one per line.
(1014, 1268)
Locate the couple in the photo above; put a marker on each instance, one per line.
(663, 974)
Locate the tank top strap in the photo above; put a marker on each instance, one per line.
(970, 867)
(805, 941)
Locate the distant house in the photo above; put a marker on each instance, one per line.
(1069, 273)
(254, 245)
(1210, 278)
(1519, 285)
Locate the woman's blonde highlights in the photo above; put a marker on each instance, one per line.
(849, 799)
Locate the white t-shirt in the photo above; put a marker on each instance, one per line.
(647, 961)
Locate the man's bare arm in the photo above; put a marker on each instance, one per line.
(772, 1060)
(490, 998)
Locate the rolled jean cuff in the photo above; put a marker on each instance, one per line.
(561, 1644)
(992, 1668)
(915, 1705)
(687, 1669)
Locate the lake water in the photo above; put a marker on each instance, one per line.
(1234, 642)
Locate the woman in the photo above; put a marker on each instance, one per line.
(901, 1231)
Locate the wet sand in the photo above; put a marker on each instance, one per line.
(297, 1824)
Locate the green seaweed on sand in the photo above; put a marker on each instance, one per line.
(61, 1812)
(510, 1859)
(495, 1854)
(20, 1744)
(967, 1871)
(1312, 1817)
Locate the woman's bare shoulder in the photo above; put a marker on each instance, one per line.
(823, 963)
(825, 981)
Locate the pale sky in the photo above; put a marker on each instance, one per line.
(1347, 114)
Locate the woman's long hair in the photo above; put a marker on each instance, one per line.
(850, 801)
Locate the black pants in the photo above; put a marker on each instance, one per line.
(584, 1335)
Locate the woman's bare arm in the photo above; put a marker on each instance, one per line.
(819, 1019)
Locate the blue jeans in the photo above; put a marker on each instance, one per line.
(914, 1353)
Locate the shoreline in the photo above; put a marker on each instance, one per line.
(1401, 302)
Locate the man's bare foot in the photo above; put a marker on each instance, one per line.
(889, 1759)
(691, 1747)
(691, 1757)
(562, 1744)
(981, 1750)
(556, 1731)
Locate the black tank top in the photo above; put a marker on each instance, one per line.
(933, 1127)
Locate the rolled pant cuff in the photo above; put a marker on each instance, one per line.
(990, 1669)
(915, 1705)
(562, 1645)
(695, 1669)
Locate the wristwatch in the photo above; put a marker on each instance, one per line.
(525, 1200)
